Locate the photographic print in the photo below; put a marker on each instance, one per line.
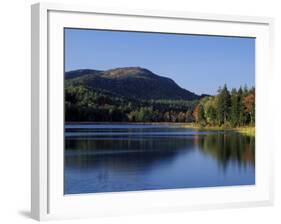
(154, 111)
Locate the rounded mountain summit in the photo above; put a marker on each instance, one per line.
(130, 82)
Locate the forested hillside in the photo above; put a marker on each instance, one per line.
(138, 95)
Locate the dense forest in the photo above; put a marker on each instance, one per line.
(85, 104)
(233, 109)
(228, 109)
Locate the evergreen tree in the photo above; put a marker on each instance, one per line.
(224, 102)
(240, 107)
(212, 115)
(234, 111)
(201, 115)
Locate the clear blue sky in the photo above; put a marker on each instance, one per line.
(196, 62)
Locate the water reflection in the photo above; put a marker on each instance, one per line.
(228, 147)
(118, 158)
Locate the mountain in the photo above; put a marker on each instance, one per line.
(80, 72)
(130, 82)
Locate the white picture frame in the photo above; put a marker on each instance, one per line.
(48, 201)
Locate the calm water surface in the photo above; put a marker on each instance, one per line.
(130, 157)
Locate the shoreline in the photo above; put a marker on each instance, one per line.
(246, 130)
(117, 122)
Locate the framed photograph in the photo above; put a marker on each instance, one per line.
(138, 111)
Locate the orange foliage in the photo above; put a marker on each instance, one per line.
(195, 112)
(249, 102)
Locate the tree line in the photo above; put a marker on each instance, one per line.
(93, 105)
(229, 109)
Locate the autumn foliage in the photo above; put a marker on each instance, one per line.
(234, 109)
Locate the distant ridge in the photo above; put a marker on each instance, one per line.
(132, 82)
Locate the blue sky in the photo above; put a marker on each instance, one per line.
(197, 63)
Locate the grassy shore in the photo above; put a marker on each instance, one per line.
(246, 130)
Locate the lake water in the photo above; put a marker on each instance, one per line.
(131, 157)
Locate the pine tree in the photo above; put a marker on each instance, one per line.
(240, 107)
(224, 102)
(234, 111)
(212, 115)
(201, 115)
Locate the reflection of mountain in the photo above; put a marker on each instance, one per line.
(229, 147)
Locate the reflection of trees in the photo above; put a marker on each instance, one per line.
(228, 147)
(126, 153)
(129, 152)
(143, 143)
